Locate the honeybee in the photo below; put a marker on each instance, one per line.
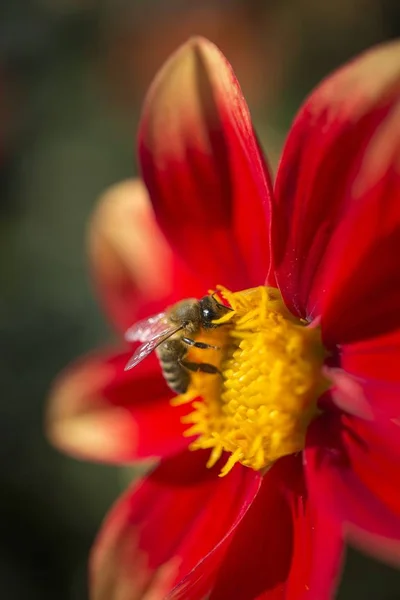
(170, 334)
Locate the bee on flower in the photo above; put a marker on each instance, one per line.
(263, 324)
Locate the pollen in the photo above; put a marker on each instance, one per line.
(260, 404)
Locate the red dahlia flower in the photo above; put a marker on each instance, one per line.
(304, 425)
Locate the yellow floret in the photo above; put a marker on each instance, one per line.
(260, 406)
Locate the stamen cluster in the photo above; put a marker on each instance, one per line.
(260, 407)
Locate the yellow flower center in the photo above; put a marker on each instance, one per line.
(259, 407)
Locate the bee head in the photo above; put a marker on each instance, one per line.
(211, 310)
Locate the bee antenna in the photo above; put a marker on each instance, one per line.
(220, 303)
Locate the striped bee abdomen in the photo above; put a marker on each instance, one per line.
(170, 354)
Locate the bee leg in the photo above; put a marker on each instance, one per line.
(200, 367)
(201, 345)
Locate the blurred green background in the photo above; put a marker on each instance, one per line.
(72, 77)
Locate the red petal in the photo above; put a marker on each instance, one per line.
(379, 400)
(258, 558)
(353, 470)
(158, 538)
(201, 163)
(317, 549)
(368, 384)
(376, 358)
(134, 269)
(337, 220)
(276, 551)
(98, 411)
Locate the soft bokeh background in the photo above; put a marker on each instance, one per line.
(72, 78)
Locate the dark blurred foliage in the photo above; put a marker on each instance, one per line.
(72, 77)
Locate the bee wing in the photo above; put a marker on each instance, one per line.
(148, 329)
(145, 349)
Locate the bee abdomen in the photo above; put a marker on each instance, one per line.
(170, 354)
(176, 376)
(169, 368)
